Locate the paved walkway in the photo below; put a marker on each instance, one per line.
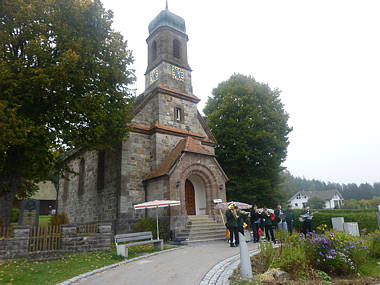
(206, 263)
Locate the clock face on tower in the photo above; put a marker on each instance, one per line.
(178, 73)
(153, 75)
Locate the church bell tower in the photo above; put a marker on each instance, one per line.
(167, 54)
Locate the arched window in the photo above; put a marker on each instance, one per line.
(176, 48)
(154, 50)
(81, 177)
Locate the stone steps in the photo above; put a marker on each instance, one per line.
(201, 229)
(195, 231)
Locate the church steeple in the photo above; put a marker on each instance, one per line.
(167, 53)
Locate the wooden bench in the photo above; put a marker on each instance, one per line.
(139, 238)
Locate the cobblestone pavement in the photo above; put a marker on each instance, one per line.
(188, 265)
(220, 273)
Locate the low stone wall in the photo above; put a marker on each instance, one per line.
(18, 245)
(73, 242)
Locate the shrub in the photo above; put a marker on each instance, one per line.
(15, 215)
(147, 224)
(374, 246)
(58, 219)
(292, 259)
(268, 254)
(366, 218)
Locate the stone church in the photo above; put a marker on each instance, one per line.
(169, 153)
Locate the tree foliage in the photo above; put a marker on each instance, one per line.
(316, 203)
(64, 76)
(250, 126)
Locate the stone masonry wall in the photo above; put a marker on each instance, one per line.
(148, 114)
(108, 197)
(92, 204)
(164, 144)
(17, 246)
(136, 164)
(207, 170)
(167, 105)
(79, 208)
(165, 78)
(72, 242)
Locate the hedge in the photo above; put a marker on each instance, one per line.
(366, 218)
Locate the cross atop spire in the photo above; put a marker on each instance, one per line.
(166, 4)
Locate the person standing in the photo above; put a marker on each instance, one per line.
(255, 223)
(241, 219)
(280, 218)
(290, 216)
(268, 225)
(232, 224)
(306, 217)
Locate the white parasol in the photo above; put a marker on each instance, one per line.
(157, 204)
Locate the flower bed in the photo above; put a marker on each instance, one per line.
(320, 257)
(335, 255)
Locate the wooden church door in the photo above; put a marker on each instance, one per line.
(189, 198)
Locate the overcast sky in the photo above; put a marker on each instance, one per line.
(323, 55)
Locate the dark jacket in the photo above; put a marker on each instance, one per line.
(267, 220)
(277, 213)
(255, 217)
(290, 216)
(306, 216)
(231, 221)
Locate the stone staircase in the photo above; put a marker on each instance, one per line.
(202, 228)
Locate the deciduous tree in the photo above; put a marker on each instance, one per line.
(64, 76)
(250, 125)
(316, 203)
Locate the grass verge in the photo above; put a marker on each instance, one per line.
(43, 221)
(370, 267)
(20, 271)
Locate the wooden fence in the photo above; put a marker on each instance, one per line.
(45, 238)
(6, 232)
(87, 228)
(48, 238)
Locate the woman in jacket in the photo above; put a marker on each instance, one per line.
(255, 223)
(232, 225)
(268, 224)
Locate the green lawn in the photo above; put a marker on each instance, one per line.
(44, 221)
(370, 268)
(52, 272)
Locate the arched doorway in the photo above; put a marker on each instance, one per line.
(195, 196)
(189, 198)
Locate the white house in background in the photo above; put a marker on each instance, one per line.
(333, 199)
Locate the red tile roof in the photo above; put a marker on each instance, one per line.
(185, 145)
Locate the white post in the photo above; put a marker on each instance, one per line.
(158, 231)
(245, 261)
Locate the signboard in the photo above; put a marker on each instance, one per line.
(29, 212)
(216, 201)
